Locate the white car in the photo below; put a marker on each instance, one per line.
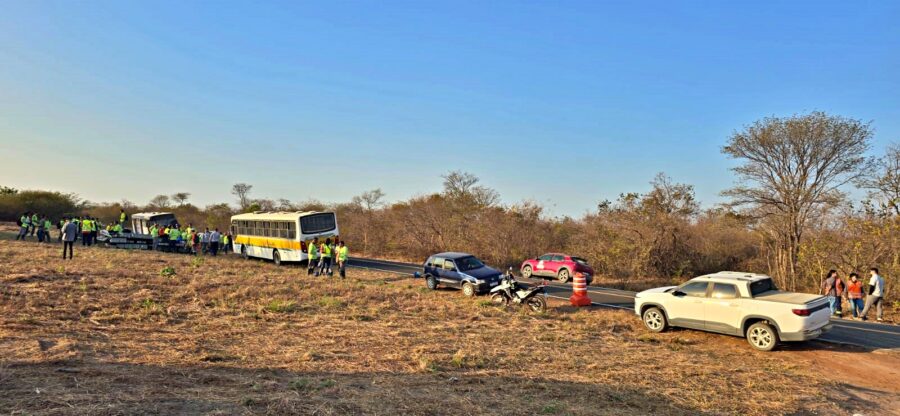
(735, 303)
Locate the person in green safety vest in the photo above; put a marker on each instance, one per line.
(24, 222)
(313, 256)
(117, 229)
(35, 222)
(174, 236)
(325, 262)
(86, 232)
(122, 216)
(342, 253)
(154, 232)
(47, 226)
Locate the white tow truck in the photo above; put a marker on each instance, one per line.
(736, 303)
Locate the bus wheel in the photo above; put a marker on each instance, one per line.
(276, 257)
(244, 252)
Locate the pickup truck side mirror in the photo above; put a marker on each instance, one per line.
(678, 293)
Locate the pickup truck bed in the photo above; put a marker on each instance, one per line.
(787, 297)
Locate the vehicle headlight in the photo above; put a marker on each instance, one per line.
(480, 281)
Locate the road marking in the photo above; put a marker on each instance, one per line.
(864, 329)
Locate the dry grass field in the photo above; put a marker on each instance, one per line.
(114, 332)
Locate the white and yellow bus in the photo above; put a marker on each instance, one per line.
(281, 236)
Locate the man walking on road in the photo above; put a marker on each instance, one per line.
(855, 295)
(876, 295)
(69, 231)
(832, 287)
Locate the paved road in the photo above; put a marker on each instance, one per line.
(865, 334)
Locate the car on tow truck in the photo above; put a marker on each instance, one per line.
(460, 271)
(736, 303)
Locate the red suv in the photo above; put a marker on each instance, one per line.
(560, 266)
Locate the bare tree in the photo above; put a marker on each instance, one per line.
(181, 197)
(883, 182)
(160, 202)
(462, 187)
(368, 202)
(242, 192)
(791, 169)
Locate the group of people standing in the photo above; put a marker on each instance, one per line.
(860, 297)
(30, 223)
(320, 257)
(193, 241)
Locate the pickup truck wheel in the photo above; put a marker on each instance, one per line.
(655, 320)
(526, 272)
(563, 276)
(431, 282)
(468, 289)
(762, 336)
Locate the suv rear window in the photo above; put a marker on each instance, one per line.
(761, 286)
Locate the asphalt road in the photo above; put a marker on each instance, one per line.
(869, 335)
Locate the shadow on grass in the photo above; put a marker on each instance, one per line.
(119, 388)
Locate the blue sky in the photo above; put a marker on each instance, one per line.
(564, 103)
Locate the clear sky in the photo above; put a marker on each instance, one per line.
(564, 103)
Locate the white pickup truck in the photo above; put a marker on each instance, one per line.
(735, 303)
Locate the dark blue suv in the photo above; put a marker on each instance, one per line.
(460, 271)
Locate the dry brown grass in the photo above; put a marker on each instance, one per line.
(106, 333)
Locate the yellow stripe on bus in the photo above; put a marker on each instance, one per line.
(268, 242)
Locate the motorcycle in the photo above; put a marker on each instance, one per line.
(512, 291)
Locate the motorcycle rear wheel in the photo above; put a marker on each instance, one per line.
(537, 304)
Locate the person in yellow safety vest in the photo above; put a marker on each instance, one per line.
(313, 256)
(174, 236)
(47, 226)
(24, 221)
(86, 231)
(342, 253)
(325, 263)
(117, 229)
(226, 243)
(122, 216)
(154, 232)
(35, 222)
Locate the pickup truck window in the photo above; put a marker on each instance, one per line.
(761, 286)
(696, 289)
(724, 291)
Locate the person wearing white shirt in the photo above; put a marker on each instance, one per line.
(876, 295)
(214, 242)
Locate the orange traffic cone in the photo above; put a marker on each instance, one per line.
(579, 291)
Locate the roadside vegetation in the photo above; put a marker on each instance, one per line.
(116, 331)
(794, 227)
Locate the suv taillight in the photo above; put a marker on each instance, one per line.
(800, 312)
